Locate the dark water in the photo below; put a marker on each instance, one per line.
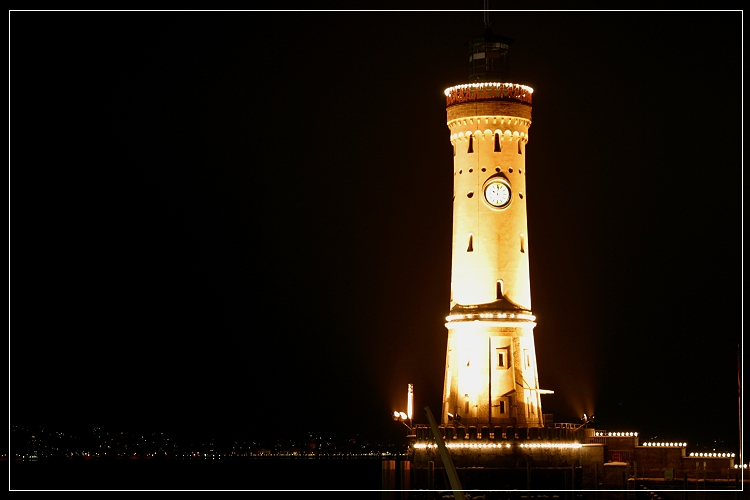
(259, 474)
(363, 476)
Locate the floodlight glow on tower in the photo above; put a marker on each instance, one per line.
(410, 402)
(490, 368)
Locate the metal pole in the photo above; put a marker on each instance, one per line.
(489, 385)
(405, 471)
(445, 457)
(573, 476)
(739, 399)
(596, 481)
(431, 480)
(388, 479)
(528, 476)
(685, 484)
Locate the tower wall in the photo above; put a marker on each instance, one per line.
(491, 374)
(475, 379)
(499, 237)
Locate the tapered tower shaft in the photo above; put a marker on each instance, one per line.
(490, 373)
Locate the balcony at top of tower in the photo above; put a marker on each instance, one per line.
(492, 91)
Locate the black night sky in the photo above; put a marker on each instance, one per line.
(241, 221)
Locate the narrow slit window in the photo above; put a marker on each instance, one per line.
(498, 149)
(499, 291)
(502, 407)
(454, 149)
(466, 405)
(501, 355)
(470, 248)
(523, 243)
(471, 144)
(519, 147)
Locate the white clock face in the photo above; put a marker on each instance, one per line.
(497, 194)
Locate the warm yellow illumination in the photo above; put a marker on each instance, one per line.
(448, 91)
(712, 455)
(495, 446)
(410, 402)
(486, 317)
(551, 445)
(490, 316)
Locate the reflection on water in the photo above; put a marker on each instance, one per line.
(258, 474)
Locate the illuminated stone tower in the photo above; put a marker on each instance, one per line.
(490, 369)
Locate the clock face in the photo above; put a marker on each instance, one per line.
(497, 194)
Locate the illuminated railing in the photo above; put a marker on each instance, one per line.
(488, 91)
(490, 316)
(496, 446)
(665, 445)
(551, 445)
(616, 434)
(713, 455)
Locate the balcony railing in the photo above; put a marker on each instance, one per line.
(488, 91)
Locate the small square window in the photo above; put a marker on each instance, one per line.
(501, 356)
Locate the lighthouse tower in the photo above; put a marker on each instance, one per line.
(490, 367)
